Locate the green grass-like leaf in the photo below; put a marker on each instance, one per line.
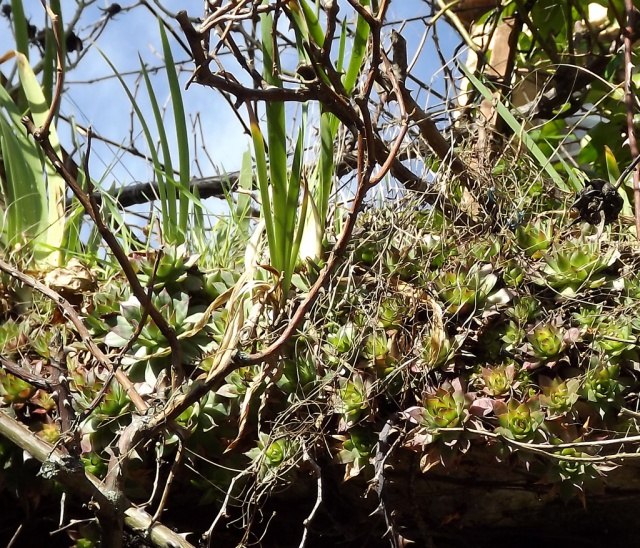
(53, 222)
(182, 135)
(245, 185)
(311, 18)
(277, 142)
(358, 51)
(25, 197)
(328, 129)
(20, 27)
(167, 191)
(35, 191)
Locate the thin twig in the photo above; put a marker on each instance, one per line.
(167, 488)
(34, 380)
(222, 513)
(316, 506)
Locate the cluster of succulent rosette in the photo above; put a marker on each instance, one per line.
(500, 343)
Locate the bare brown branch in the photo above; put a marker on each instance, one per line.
(81, 484)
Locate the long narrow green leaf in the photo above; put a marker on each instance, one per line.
(328, 129)
(342, 47)
(182, 135)
(613, 171)
(26, 204)
(50, 58)
(306, 33)
(517, 128)
(197, 229)
(315, 29)
(73, 225)
(308, 27)
(358, 51)
(28, 146)
(20, 27)
(48, 65)
(576, 182)
(25, 184)
(25, 194)
(263, 180)
(167, 191)
(243, 201)
(292, 243)
(276, 138)
(303, 234)
(613, 174)
(53, 222)
(277, 142)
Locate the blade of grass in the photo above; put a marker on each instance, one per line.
(342, 47)
(358, 51)
(243, 201)
(25, 184)
(20, 27)
(48, 64)
(328, 129)
(72, 242)
(197, 230)
(49, 60)
(576, 181)
(262, 176)
(315, 29)
(307, 27)
(167, 191)
(182, 135)
(277, 141)
(292, 241)
(613, 171)
(308, 238)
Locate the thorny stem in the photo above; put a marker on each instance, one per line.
(34, 380)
